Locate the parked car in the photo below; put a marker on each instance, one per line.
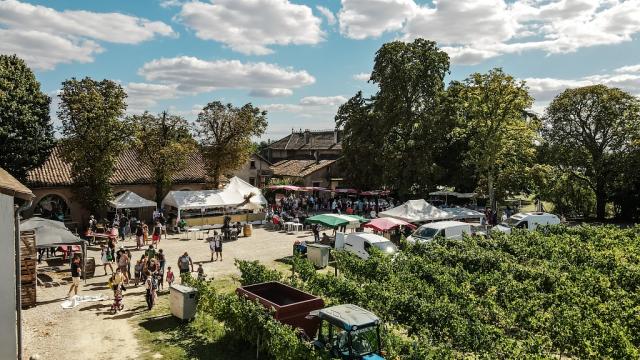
(529, 221)
(360, 244)
(446, 229)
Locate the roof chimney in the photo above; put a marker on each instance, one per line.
(307, 136)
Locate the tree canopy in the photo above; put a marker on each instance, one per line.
(500, 132)
(225, 133)
(399, 132)
(163, 143)
(589, 131)
(94, 133)
(26, 131)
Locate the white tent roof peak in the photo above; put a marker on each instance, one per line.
(416, 211)
(131, 200)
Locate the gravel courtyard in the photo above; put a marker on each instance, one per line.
(91, 331)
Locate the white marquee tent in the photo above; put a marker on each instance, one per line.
(461, 213)
(416, 211)
(131, 200)
(234, 195)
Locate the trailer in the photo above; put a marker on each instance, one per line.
(346, 331)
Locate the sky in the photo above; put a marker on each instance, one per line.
(300, 60)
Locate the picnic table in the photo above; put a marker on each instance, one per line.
(100, 236)
(291, 226)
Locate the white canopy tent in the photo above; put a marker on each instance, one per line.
(131, 200)
(51, 233)
(415, 211)
(237, 194)
(461, 213)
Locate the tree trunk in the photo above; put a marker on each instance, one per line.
(601, 200)
(159, 192)
(492, 191)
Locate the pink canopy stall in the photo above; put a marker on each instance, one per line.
(386, 224)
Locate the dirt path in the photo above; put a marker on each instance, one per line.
(91, 331)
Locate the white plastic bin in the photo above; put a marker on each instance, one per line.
(318, 254)
(182, 301)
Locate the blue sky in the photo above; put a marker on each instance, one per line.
(301, 59)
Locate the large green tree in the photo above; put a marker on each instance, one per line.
(361, 142)
(94, 133)
(405, 130)
(26, 132)
(500, 133)
(164, 144)
(225, 133)
(589, 131)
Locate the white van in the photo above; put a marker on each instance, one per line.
(446, 229)
(359, 243)
(529, 221)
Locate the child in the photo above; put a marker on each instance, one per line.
(138, 272)
(201, 274)
(145, 233)
(160, 276)
(170, 277)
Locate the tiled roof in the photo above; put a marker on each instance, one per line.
(299, 168)
(317, 140)
(12, 187)
(128, 170)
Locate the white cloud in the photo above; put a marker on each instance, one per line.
(270, 92)
(328, 14)
(323, 100)
(362, 76)
(250, 26)
(360, 19)
(193, 75)
(475, 30)
(628, 69)
(43, 50)
(463, 22)
(171, 3)
(544, 90)
(143, 96)
(46, 37)
(325, 106)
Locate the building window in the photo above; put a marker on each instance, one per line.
(253, 164)
(252, 181)
(315, 184)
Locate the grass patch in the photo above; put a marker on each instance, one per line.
(164, 336)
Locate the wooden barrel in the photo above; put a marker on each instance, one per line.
(90, 267)
(247, 230)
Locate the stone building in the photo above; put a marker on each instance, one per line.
(51, 183)
(320, 173)
(306, 145)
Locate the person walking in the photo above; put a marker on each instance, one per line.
(104, 257)
(217, 242)
(157, 233)
(148, 284)
(123, 263)
(315, 228)
(75, 276)
(184, 263)
(212, 244)
(139, 236)
(170, 277)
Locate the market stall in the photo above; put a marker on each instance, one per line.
(51, 233)
(464, 214)
(238, 199)
(131, 200)
(387, 224)
(416, 211)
